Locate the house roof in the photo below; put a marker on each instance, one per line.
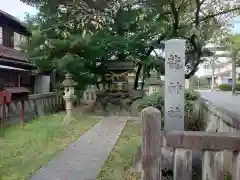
(14, 58)
(10, 53)
(11, 68)
(222, 73)
(15, 20)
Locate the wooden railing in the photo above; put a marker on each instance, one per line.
(182, 143)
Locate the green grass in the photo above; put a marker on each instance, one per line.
(118, 165)
(23, 151)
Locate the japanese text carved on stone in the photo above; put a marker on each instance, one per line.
(174, 87)
(174, 112)
(174, 62)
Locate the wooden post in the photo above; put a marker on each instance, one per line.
(22, 113)
(3, 115)
(236, 166)
(151, 141)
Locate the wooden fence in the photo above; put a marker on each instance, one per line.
(34, 106)
(182, 143)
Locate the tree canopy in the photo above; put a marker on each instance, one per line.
(81, 36)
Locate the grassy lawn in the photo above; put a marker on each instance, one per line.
(23, 151)
(118, 165)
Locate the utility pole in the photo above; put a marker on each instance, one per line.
(212, 62)
(234, 58)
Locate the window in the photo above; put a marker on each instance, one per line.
(0, 35)
(7, 36)
(18, 40)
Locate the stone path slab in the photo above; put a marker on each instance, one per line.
(83, 159)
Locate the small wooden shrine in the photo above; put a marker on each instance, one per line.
(118, 73)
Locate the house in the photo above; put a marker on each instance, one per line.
(224, 75)
(16, 70)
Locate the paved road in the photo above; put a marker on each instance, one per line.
(83, 159)
(223, 99)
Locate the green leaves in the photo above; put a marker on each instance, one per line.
(80, 36)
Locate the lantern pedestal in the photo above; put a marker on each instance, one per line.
(69, 96)
(69, 109)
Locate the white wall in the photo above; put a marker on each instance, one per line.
(42, 84)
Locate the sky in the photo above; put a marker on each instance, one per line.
(236, 28)
(16, 8)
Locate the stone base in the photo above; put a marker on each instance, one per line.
(167, 163)
(68, 120)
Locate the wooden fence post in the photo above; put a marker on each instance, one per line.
(151, 144)
(236, 166)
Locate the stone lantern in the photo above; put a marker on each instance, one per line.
(131, 78)
(100, 83)
(154, 82)
(69, 95)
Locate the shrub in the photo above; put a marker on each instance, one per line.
(225, 87)
(191, 96)
(157, 100)
(228, 87)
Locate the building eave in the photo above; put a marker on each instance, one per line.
(15, 20)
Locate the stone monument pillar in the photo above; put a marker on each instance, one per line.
(174, 84)
(174, 101)
(69, 95)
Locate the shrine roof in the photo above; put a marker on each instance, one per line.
(16, 89)
(154, 79)
(119, 65)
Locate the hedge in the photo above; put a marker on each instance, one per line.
(157, 100)
(228, 87)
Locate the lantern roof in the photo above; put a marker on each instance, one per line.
(69, 82)
(155, 78)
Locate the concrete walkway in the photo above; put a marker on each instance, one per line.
(83, 159)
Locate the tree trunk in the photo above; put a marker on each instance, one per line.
(143, 79)
(213, 73)
(137, 76)
(234, 73)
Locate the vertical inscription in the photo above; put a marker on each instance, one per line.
(174, 112)
(174, 62)
(174, 87)
(174, 84)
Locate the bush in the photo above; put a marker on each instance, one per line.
(157, 100)
(225, 87)
(191, 97)
(228, 87)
